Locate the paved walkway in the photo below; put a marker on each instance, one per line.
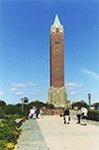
(49, 133)
(31, 137)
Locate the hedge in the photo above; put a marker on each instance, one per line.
(9, 132)
(93, 115)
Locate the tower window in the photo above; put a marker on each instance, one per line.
(57, 68)
(57, 42)
(57, 50)
(57, 30)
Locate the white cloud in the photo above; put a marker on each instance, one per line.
(90, 73)
(13, 89)
(1, 93)
(72, 93)
(28, 92)
(24, 84)
(19, 93)
(16, 91)
(31, 84)
(35, 92)
(71, 85)
(20, 85)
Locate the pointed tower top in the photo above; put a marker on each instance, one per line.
(57, 22)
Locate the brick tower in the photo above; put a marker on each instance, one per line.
(57, 92)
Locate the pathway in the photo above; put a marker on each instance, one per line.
(61, 136)
(49, 133)
(31, 137)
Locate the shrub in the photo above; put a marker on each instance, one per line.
(1, 113)
(93, 115)
(10, 146)
(9, 130)
(7, 133)
(2, 145)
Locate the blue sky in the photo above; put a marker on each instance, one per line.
(24, 48)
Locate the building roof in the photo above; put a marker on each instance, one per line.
(57, 22)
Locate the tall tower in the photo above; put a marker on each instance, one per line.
(57, 92)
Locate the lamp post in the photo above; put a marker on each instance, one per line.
(22, 99)
(89, 99)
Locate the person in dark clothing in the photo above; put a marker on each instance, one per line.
(66, 116)
(37, 112)
(78, 115)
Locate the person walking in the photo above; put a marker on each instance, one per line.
(32, 113)
(66, 116)
(78, 115)
(37, 112)
(84, 113)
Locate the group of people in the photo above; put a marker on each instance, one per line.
(81, 115)
(35, 112)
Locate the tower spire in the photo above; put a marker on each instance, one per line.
(56, 22)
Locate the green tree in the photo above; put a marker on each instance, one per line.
(36, 103)
(96, 105)
(2, 104)
(14, 109)
(2, 113)
(2, 108)
(79, 104)
(10, 109)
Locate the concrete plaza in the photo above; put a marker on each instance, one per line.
(49, 133)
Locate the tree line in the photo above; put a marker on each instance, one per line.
(21, 109)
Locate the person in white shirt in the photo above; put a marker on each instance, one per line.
(84, 113)
(32, 114)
